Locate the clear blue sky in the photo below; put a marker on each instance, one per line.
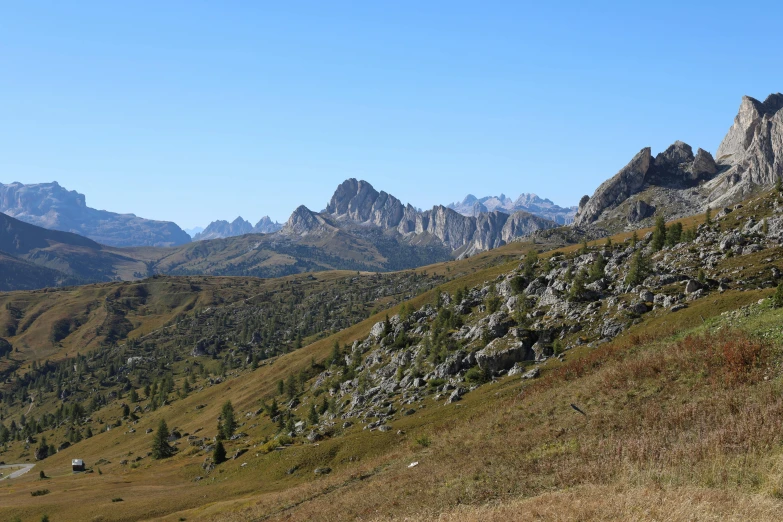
(194, 111)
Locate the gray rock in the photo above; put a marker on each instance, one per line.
(501, 355)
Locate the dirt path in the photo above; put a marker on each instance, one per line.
(17, 473)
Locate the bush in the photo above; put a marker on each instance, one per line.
(423, 441)
(116, 499)
(493, 304)
(477, 376)
(39, 492)
(777, 297)
(434, 383)
(518, 284)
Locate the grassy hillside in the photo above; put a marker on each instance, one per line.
(678, 418)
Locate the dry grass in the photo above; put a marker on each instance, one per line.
(618, 503)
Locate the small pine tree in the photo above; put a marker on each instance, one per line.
(280, 387)
(597, 268)
(312, 416)
(219, 453)
(778, 184)
(777, 297)
(634, 239)
(708, 216)
(160, 442)
(701, 276)
(585, 249)
(638, 270)
(659, 235)
(577, 287)
(531, 260)
(674, 234)
(608, 243)
(765, 226)
(227, 424)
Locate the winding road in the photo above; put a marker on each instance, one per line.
(17, 473)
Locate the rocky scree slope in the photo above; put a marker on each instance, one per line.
(678, 183)
(49, 205)
(539, 311)
(531, 203)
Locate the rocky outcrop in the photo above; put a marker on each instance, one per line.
(614, 191)
(752, 150)
(304, 221)
(51, 206)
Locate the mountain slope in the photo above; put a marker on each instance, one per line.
(75, 258)
(691, 417)
(51, 206)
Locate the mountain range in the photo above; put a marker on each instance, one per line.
(365, 229)
(51, 206)
(473, 206)
(221, 228)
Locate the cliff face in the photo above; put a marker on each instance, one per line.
(358, 202)
(49, 205)
(751, 151)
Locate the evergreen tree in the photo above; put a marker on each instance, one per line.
(634, 239)
(313, 415)
(219, 453)
(708, 216)
(674, 234)
(577, 287)
(531, 260)
(160, 442)
(227, 424)
(659, 234)
(597, 268)
(639, 269)
(777, 297)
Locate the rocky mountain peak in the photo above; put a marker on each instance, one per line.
(741, 134)
(265, 225)
(752, 150)
(303, 221)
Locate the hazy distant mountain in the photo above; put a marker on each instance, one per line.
(222, 228)
(51, 206)
(473, 206)
(193, 231)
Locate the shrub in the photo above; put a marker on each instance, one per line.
(493, 304)
(39, 492)
(435, 383)
(777, 297)
(423, 441)
(116, 499)
(477, 376)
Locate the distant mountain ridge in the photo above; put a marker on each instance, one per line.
(358, 202)
(51, 206)
(473, 206)
(222, 229)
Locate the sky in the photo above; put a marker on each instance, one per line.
(195, 111)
